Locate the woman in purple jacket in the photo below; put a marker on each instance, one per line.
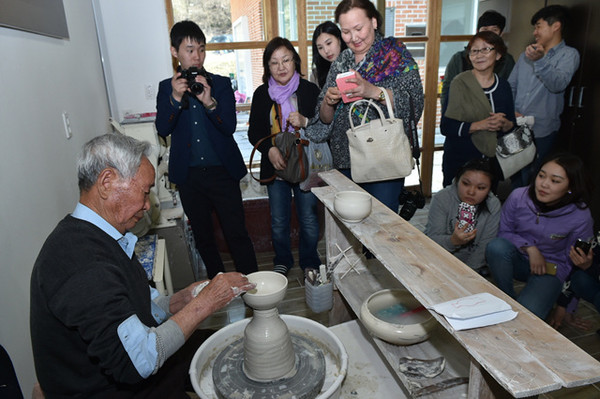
(538, 226)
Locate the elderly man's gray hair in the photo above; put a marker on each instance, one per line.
(112, 150)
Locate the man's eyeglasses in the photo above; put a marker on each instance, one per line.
(284, 62)
(484, 51)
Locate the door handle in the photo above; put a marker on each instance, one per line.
(571, 96)
(580, 101)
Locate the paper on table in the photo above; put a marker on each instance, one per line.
(481, 321)
(474, 311)
(471, 306)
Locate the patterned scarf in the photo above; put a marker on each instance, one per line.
(388, 57)
(282, 95)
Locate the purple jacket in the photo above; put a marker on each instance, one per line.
(553, 233)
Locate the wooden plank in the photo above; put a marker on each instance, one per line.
(526, 356)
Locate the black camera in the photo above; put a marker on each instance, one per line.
(410, 201)
(190, 75)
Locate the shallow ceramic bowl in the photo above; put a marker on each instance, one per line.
(352, 206)
(395, 316)
(270, 290)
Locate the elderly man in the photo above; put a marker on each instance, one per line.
(98, 329)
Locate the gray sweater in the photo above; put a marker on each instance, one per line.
(443, 216)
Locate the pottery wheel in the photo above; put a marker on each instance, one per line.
(231, 382)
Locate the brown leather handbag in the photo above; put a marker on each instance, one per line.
(292, 147)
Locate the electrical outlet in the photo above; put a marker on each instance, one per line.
(149, 91)
(67, 125)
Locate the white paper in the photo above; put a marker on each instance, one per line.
(475, 311)
(482, 321)
(472, 306)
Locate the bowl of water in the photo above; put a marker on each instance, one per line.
(395, 316)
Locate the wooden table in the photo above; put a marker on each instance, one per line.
(523, 357)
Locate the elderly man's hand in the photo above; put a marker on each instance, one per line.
(218, 293)
(223, 288)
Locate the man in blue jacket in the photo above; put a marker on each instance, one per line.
(205, 161)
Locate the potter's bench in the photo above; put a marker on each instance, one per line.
(522, 357)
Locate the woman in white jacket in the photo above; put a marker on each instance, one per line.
(464, 216)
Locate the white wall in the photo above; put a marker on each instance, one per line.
(40, 77)
(135, 51)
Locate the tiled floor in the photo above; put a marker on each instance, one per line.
(294, 304)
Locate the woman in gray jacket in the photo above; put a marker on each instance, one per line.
(464, 216)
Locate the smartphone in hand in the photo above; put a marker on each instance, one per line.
(583, 245)
(466, 216)
(343, 85)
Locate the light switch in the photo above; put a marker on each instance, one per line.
(67, 124)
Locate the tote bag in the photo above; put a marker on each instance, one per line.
(379, 149)
(515, 150)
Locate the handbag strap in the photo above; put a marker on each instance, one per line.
(369, 103)
(259, 142)
(414, 135)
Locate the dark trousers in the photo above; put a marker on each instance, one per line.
(212, 189)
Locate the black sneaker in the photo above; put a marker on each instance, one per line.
(282, 269)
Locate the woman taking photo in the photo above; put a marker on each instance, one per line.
(327, 44)
(284, 97)
(479, 107)
(381, 64)
(463, 217)
(538, 226)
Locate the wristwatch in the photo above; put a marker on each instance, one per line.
(381, 95)
(213, 105)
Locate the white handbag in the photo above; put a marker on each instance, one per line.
(379, 149)
(515, 150)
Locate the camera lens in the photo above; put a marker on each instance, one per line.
(196, 87)
(408, 210)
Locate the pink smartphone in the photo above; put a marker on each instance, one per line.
(343, 85)
(466, 216)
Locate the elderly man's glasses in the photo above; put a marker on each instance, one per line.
(484, 51)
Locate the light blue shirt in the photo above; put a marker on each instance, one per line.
(126, 241)
(147, 347)
(538, 86)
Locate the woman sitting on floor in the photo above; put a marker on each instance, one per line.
(539, 225)
(464, 217)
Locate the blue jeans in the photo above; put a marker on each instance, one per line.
(387, 192)
(506, 262)
(587, 287)
(280, 202)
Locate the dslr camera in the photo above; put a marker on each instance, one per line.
(410, 201)
(190, 75)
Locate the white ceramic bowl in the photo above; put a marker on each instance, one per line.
(395, 316)
(352, 206)
(270, 290)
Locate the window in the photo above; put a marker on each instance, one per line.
(238, 30)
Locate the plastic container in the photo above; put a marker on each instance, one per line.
(319, 298)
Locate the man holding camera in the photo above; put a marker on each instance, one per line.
(198, 110)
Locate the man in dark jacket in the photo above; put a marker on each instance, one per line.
(197, 109)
